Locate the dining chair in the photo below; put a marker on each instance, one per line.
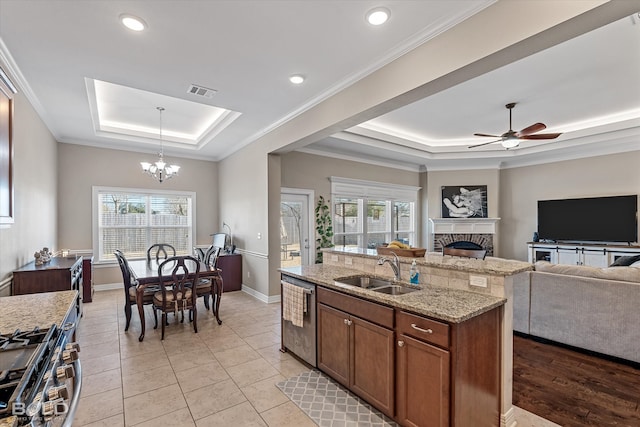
(160, 251)
(204, 287)
(199, 253)
(177, 274)
(131, 288)
(467, 253)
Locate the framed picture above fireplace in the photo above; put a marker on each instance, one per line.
(464, 201)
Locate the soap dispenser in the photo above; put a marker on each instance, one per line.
(413, 273)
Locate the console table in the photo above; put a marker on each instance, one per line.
(59, 274)
(576, 254)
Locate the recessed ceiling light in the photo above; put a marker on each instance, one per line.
(378, 16)
(133, 22)
(296, 79)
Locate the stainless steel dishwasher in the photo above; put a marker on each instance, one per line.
(302, 341)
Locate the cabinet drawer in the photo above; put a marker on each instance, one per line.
(424, 329)
(367, 310)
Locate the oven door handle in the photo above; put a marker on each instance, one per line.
(75, 399)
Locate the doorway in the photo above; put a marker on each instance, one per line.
(297, 247)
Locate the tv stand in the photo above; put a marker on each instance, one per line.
(592, 254)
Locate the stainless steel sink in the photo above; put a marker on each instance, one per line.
(395, 290)
(375, 284)
(365, 282)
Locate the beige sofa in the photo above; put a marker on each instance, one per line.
(596, 309)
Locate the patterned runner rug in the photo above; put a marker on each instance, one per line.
(328, 404)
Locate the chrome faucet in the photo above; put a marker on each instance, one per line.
(395, 264)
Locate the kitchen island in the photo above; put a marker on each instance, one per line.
(453, 291)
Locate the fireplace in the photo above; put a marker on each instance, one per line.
(463, 233)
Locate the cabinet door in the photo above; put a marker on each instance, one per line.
(422, 400)
(595, 258)
(569, 256)
(333, 343)
(372, 363)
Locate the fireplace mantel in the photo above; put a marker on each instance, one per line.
(463, 225)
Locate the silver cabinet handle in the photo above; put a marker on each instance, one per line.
(400, 343)
(349, 322)
(417, 328)
(346, 321)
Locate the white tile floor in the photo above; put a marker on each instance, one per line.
(224, 375)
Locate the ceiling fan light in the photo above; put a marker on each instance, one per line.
(510, 142)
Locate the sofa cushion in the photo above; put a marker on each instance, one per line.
(625, 261)
(623, 274)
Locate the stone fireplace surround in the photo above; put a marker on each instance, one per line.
(445, 231)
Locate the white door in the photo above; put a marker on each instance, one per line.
(296, 244)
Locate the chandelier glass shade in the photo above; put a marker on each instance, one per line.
(159, 169)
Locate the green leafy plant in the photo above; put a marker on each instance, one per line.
(324, 229)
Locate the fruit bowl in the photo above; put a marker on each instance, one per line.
(409, 253)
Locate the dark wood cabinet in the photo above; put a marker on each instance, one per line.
(448, 374)
(231, 266)
(354, 350)
(333, 343)
(59, 274)
(422, 383)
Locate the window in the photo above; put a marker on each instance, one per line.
(369, 214)
(132, 220)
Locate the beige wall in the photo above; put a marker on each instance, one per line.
(243, 194)
(521, 188)
(81, 167)
(35, 191)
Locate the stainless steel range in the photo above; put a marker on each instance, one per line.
(40, 378)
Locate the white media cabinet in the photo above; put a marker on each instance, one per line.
(579, 254)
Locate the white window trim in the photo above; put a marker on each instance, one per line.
(96, 190)
(373, 190)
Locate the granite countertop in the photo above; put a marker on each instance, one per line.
(490, 265)
(42, 310)
(446, 304)
(11, 421)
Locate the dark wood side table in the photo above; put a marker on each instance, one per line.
(87, 279)
(231, 266)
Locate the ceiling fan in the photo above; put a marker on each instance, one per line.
(511, 138)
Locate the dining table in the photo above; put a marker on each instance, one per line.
(145, 272)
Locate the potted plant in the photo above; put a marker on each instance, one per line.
(324, 228)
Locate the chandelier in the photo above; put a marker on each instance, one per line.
(160, 170)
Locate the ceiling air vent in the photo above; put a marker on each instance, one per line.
(201, 91)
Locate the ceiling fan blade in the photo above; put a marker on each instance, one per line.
(537, 127)
(484, 143)
(542, 136)
(486, 134)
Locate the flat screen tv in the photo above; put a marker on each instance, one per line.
(595, 219)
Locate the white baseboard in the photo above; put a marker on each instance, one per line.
(260, 296)
(107, 287)
(508, 419)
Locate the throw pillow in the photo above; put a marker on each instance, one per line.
(625, 261)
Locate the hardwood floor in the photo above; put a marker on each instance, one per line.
(572, 388)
